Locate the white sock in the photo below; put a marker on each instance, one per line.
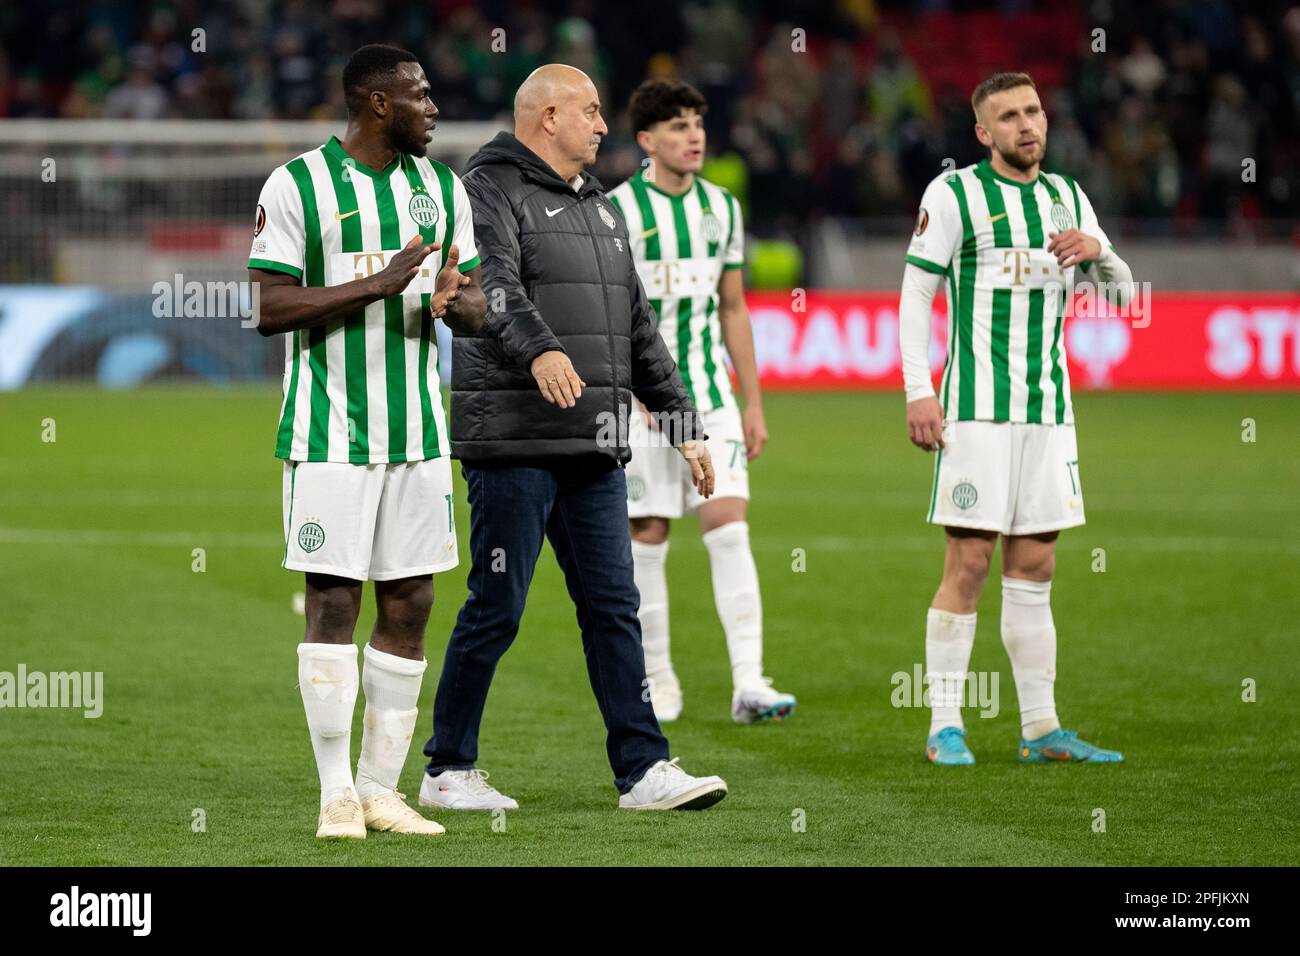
(327, 679)
(735, 592)
(648, 569)
(392, 686)
(1030, 639)
(948, 642)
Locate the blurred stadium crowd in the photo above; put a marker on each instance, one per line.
(1158, 124)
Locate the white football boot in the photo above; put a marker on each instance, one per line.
(757, 702)
(667, 786)
(388, 811)
(463, 790)
(665, 696)
(342, 818)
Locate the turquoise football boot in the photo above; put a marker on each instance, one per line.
(1064, 746)
(948, 748)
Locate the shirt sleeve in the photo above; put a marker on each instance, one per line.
(735, 257)
(464, 231)
(936, 237)
(279, 237)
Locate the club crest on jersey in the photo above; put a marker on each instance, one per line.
(1061, 217)
(711, 227)
(423, 210)
(310, 536)
(606, 216)
(635, 488)
(964, 495)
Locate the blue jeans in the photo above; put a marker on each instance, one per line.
(581, 507)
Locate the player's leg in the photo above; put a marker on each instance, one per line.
(649, 562)
(949, 638)
(327, 681)
(329, 512)
(508, 510)
(414, 538)
(654, 498)
(972, 482)
(736, 596)
(1049, 499)
(391, 678)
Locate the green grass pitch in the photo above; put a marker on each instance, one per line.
(1200, 592)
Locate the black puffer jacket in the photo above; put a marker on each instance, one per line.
(558, 274)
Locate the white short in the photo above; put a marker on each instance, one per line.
(1007, 477)
(659, 479)
(369, 522)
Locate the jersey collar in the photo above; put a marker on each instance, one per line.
(640, 174)
(335, 148)
(984, 170)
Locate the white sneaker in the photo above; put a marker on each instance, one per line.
(388, 811)
(667, 786)
(342, 818)
(665, 696)
(463, 790)
(757, 702)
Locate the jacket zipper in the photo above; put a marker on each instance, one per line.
(609, 328)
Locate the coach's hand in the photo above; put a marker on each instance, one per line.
(556, 379)
(447, 286)
(402, 268)
(1073, 247)
(925, 423)
(696, 454)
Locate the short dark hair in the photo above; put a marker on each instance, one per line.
(657, 100)
(372, 67)
(996, 84)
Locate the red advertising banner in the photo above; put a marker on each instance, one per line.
(1192, 340)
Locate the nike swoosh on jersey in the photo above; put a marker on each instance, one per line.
(554, 212)
(649, 232)
(1001, 215)
(344, 215)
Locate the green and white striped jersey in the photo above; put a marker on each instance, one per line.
(988, 236)
(363, 388)
(681, 245)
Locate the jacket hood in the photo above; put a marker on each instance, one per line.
(506, 148)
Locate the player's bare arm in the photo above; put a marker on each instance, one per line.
(458, 297)
(738, 337)
(285, 305)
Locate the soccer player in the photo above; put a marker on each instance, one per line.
(1009, 239)
(339, 251)
(688, 240)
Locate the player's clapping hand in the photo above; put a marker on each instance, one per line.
(402, 268)
(925, 423)
(755, 426)
(697, 456)
(556, 379)
(447, 286)
(1073, 247)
